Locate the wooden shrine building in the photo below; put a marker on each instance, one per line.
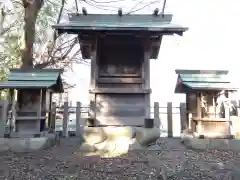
(120, 47)
(30, 100)
(207, 103)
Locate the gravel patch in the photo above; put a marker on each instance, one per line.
(172, 162)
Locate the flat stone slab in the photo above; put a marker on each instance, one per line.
(201, 144)
(27, 144)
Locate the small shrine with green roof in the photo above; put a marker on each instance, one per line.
(207, 104)
(27, 112)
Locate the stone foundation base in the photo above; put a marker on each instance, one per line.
(28, 144)
(211, 143)
(118, 139)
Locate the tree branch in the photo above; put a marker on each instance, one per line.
(54, 59)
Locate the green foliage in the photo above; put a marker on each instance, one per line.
(10, 55)
(46, 51)
(13, 23)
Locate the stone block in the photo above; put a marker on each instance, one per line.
(146, 136)
(26, 144)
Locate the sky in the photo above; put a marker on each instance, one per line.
(210, 43)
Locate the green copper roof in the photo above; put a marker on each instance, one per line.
(26, 84)
(33, 79)
(202, 80)
(101, 22)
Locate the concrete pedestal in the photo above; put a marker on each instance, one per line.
(28, 144)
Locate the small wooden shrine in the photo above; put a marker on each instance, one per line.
(207, 104)
(120, 47)
(30, 100)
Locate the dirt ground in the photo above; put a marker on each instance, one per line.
(172, 162)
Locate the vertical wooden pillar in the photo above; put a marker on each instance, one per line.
(169, 118)
(4, 117)
(65, 120)
(53, 116)
(78, 119)
(11, 118)
(183, 116)
(199, 114)
(93, 80)
(94, 66)
(227, 117)
(187, 104)
(191, 125)
(50, 116)
(146, 77)
(14, 113)
(92, 109)
(227, 114)
(39, 113)
(156, 114)
(146, 65)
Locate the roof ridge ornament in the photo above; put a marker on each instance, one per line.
(155, 12)
(84, 11)
(120, 12)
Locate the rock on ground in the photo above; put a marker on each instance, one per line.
(171, 161)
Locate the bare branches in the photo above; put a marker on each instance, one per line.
(58, 5)
(60, 51)
(60, 55)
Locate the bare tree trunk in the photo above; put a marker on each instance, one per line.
(31, 10)
(2, 18)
